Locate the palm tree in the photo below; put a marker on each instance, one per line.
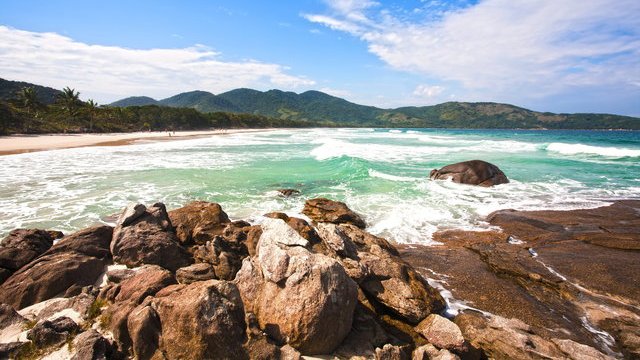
(70, 100)
(28, 100)
(92, 106)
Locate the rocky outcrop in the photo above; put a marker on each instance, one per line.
(325, 210)
(190, 322)
(502, 338)
(76, 260)
(441, 332)
(474, 172)
(20, 247)
(288, 192)
(146, 236)
(319, 296)
(199, 222)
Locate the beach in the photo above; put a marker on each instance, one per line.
(16, 144)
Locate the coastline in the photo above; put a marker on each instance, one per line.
(18, 144)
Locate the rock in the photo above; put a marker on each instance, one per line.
(148, 239)
(131, 213)
(289, 353)
(393, 352)
(474, 172)
(196, 321)
(12, 349)
(301, 226)
(20, 247)
(90, 345)
(119, 275)
(429, 352)
(147, 281)
(78, 259)
(198, 222)
(285, 275)
(365, 336)
(325, 210)
(258, 344)
(441, 332)
(144, 328)
(54, 332)
(223, 257)
(288, 192)
(502, 338)
(195, 272)
(337, 240)
(8, 316)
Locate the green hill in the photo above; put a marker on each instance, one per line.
(135, 101)
(9, 89)
(317, 106)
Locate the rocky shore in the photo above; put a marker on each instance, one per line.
(193, 284)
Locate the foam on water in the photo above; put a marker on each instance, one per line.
(382, 175)
(575, 149)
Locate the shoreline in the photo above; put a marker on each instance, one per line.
(19, 144)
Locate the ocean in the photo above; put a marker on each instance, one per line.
(380, 173)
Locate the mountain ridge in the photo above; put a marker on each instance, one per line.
(315, 105)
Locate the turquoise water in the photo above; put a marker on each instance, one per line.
(380, 173)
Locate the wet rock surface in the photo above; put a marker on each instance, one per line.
(325, 210)
(474, 172)
(568, 275)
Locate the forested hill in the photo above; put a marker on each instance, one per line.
(318, 106)
(45, 95)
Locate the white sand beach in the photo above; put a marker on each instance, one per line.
(16, 144)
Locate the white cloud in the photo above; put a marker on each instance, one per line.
(109, 72)
(500, 49)
(426, 91)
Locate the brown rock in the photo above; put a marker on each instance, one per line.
(200, 319)
(147, 281)
(393, 352)
(429, 352)
(337, 240)
(198, 222)
(21, 246)
(285, 275)
(288, 192)
(91, 345)
(441, 332)
(78, 259)
(143, 325)
(224, 257)
(148, 239)
(474, 172)
(502, 338)
(54, 332)
(325, 210)
(195, 272)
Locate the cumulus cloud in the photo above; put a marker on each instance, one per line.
(109, 72)
(498, 48)
(426, 91)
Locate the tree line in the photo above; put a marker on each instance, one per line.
(24, 113)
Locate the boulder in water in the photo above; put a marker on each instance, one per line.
(474, 172)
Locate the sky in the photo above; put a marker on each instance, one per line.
(545, 55)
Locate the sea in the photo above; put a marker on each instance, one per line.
(382, 174)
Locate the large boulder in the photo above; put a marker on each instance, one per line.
(381, 273)
(20, 247)
(76, 260)
(91, 345)
(195, 321)
(195, 272)
(223, 257)
(304, 299)
(325, 210)
(52, 332)
(198, 222)
(441, 332)
(146, 236)
(474, 172)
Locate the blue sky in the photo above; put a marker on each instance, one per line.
(547, 55)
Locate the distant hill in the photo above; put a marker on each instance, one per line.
(320, 107)
(9, 89)
(135, 101)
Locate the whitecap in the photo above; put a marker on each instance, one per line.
(381, 175)
(576, 149)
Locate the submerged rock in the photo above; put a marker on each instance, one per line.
(474, 172)
(288, 192)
